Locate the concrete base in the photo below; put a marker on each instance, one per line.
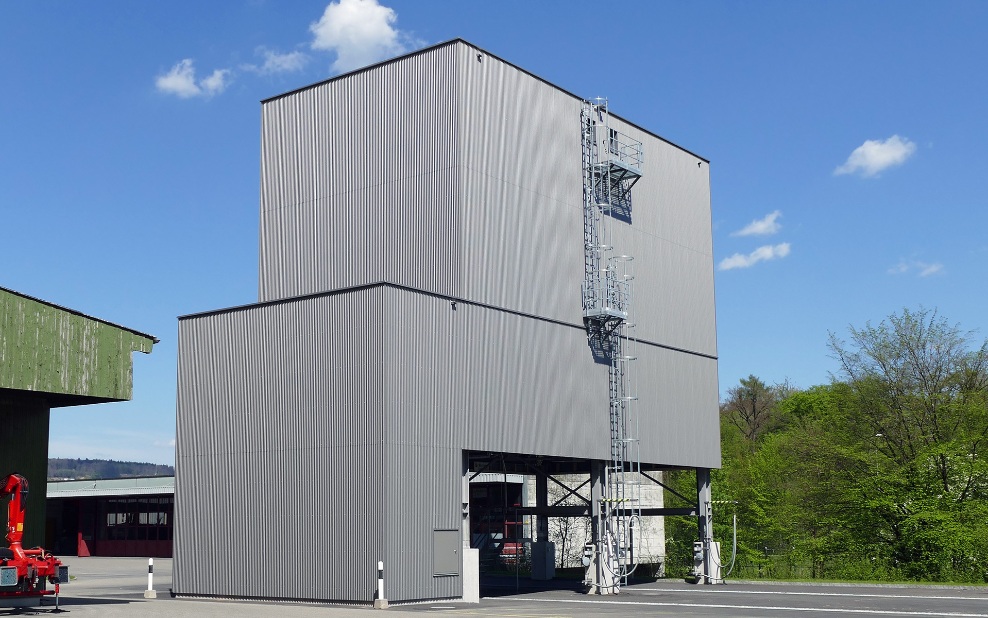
(715, 564)
(543, 560)
(150, 594)
(600, 578)
(380, 604)
(471, 575)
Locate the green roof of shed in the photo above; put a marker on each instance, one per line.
(65, 356)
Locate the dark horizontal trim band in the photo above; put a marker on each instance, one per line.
(452, 299)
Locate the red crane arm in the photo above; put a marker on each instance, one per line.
(16, 486)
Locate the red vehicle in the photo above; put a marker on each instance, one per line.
(495, 525)
(24, 572)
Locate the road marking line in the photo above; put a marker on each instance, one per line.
(759, 607)
(812, 594)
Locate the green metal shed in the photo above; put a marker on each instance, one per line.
(51, 357)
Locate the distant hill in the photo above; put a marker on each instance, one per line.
(71, 469)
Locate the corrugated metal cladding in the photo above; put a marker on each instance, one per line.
(279, 449)
(522, 215)
(345, 417)
(319, 435)
(466, 181)
(358, 181)
(488, 380)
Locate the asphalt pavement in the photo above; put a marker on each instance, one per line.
(115, 587)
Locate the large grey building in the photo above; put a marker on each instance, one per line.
(423, 247)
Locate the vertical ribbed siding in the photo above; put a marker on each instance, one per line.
(670, 239)
(474, 378)
(461, 176)
(522, 190)
(417, 434)
(279, 450)
(292, 415)
(453, 176)
(481, 379)
(523, 219)
(358, 181)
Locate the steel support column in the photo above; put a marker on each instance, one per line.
(705, 522)
(599, 572)
(543, 550)
(542, 501)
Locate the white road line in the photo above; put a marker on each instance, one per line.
(758, 607)
(811, 594)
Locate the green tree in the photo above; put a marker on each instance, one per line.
(915, 434)
(880, 474)
(750, 406)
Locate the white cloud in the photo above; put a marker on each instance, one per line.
(922, 269)
(181, 81)
(216, 82)
(899, 269)
(761, 254)
(275, 62)
(873, 156)
(765, 226)
(360, 32)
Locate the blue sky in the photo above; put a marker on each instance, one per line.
(846, 139)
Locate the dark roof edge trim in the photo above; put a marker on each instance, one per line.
(80, 314)
(431, 48)
(452, 299)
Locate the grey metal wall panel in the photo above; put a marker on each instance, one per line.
(464, 182)
(522, 190)
(309, 406)
(522, 215)
(670, 239)
(423, 494)
(358, 181)
(279, 444)
(475, 378)
(483, 379)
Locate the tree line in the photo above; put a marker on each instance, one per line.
(879, 475)
(61, 469)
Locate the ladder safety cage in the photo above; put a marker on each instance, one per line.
(612, 163)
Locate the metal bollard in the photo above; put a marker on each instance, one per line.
(150, 593)
(380, 602)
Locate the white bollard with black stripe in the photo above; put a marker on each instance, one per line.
(380, 602)
(150, 593)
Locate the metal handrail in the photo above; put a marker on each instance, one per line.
(617, 146)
